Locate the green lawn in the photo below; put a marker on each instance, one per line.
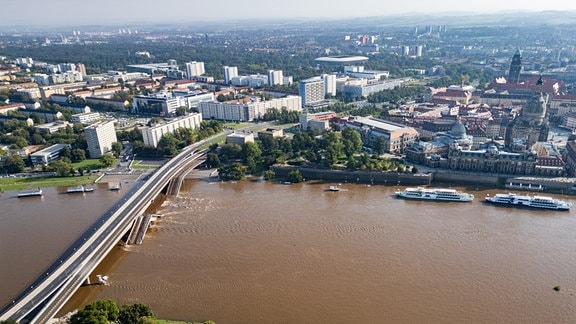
(137, 165)
(88, 164)
(10, 184)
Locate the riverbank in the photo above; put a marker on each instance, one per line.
(20, 183)
(445, 177)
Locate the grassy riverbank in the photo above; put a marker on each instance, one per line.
(11, 184)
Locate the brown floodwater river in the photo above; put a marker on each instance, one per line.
(256, 252)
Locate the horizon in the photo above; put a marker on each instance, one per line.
(108, 12)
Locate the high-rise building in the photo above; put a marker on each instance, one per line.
(419, 50)
(515, 68)
(100, 137)
(82, 69)
(311, 90)
(405, 50)
(275, 77)
(329, 84)
(194, 69)
(229, 73)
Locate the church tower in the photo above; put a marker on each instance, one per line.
(515, 68)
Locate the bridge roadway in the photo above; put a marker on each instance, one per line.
(39, 302)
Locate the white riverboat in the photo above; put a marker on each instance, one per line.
(540, 202)
(30, 193)
(438, 194)
(79, 189)
(334, 188)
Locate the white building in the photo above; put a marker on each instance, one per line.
(100, 137)
(311, 90)
(329, 84)
(275, 77)
(229, 73)
(86, 118)
(247, 111)
(47, 155)
(152, 135)
(194, 69)
(166, 103)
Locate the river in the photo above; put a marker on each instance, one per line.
(256, 252)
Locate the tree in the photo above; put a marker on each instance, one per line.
(9, 322)
(295, 176)
(107, 306)
(352, 141)
(230, 151)
(78, 155)
(85, 316)
(14, 164)
(235, 171)
(62, 167)
(269, 175)
(212, 160)
(131, 314)
(107, 160)
(379, 145)
(168, 144)
(117, 148)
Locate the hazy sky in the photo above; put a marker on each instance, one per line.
(71, 12)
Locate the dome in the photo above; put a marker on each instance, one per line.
(458, 130)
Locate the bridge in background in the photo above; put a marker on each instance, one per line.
(39, 302)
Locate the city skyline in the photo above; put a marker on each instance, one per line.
(68, 12)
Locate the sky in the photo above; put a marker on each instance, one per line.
(80, 12)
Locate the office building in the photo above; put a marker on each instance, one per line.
(166, 103)
(47, 155)
(100, 137)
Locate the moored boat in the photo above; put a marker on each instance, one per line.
(30, 193)
(437, 194)
(526, 201)
(334, 188)
(79, 189)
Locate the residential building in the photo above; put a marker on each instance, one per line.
(194, 69)
(153, 134)
(229, 73)
(329, 84)
(100, 137)
(247, 111)
(275, 77)
(311, 90)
